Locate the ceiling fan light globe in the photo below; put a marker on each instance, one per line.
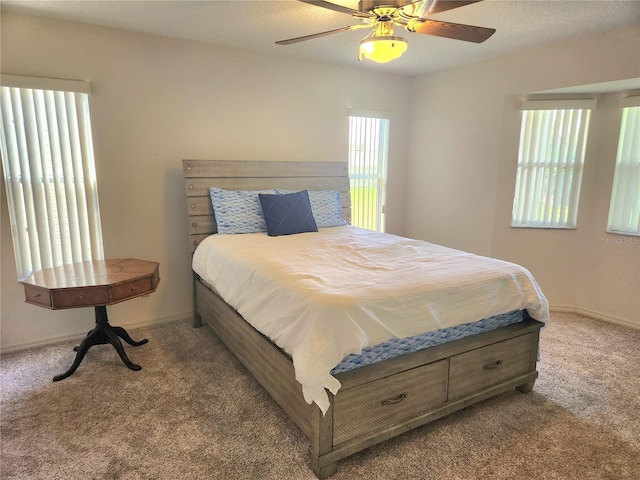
(383, 49)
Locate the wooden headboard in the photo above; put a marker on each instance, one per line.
(199, 175)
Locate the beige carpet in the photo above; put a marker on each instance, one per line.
(193, 412)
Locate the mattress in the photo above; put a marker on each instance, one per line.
(324, 295)
(396, 347)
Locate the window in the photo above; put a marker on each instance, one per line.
(553, 137)
(368, 153)
(624, 209)
(49, 172)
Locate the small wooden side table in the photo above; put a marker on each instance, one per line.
(95, 284)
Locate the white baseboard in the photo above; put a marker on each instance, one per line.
(595, 314)
(80, 335)
(172, 318)
(563, 308)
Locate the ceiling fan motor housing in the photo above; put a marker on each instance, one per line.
(370, 5)
(384, 15)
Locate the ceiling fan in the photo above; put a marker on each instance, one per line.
(381, 45)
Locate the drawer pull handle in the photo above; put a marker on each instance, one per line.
(133, 288)
(393, 401)
(495, 364)
(37, 295)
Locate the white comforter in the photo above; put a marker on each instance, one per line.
(321, 296)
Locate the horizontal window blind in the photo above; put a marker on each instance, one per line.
(550, 164)
(624, 209)
(48, 164)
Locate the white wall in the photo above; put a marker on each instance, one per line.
(157, 101)
(461, 172)
(611, 262)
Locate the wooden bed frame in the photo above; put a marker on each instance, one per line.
(375, 402)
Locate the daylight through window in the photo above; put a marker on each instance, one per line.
(368, 154)
(550, 163)
(624, 209)
(49, 174)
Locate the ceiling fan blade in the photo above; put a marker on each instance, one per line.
(332, 6)
(457, 31)
(315, 35)
(444, 5)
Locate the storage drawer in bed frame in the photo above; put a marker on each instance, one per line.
(457, 374)
(380, 401)
(491, 365)
(376, 402)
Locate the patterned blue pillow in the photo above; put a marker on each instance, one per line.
(238, 211)
(326, 206)
(287, 214)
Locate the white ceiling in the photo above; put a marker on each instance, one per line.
(257, 24)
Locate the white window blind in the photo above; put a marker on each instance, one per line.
(49, 173)
(624, 209)
(550, 163)
(368, 155)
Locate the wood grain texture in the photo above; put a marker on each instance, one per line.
(490, 365)
(264, 360)
(274, 370)
(200, 175)
(382, 403)
(91, 283)
(260, 169)
(416, 387)
(395, 365)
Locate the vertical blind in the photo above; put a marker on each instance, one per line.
(368, 152)
(624, 209)
(49, 172)
(550, 163)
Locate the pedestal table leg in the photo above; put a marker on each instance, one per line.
(103, 333)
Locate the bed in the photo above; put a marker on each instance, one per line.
(373, 402)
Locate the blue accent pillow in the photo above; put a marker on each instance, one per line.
(287, 214)
(238, 211)
(326, 206)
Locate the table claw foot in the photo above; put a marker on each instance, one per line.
(115, 341)
(122, 333)
(82, 350)
(101, 334)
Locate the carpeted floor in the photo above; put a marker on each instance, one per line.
(193, 412)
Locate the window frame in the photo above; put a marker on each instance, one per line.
(627, 162)
(378, 151)
(550, 162)
(49, 172)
